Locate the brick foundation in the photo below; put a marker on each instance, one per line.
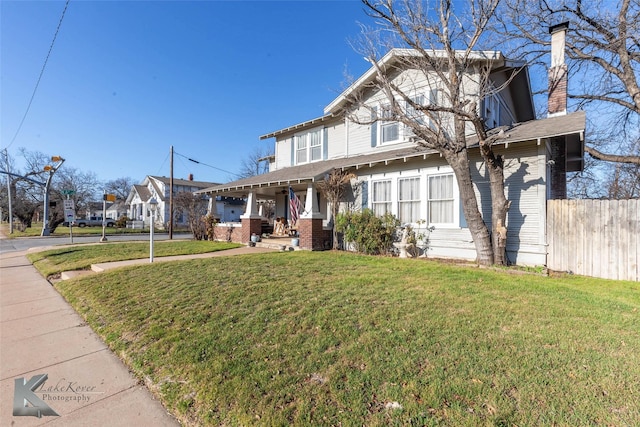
(225, 233)
(312, 235)
(250, 226)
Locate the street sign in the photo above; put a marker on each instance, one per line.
(68, 192)
(109, 197)
(69, 215)
(69, 210)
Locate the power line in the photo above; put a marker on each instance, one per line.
(35, 89)
(204, 164)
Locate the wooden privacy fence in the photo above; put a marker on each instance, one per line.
(597, 238)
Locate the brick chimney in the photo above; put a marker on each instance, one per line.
(558, 72)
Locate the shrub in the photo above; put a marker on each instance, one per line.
(122, 221)
(369, 233)
(210, 223)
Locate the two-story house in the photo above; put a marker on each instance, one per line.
(416, 184)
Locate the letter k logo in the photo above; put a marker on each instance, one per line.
(23, 393)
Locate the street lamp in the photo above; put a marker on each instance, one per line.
(51, 169)
(153, 204)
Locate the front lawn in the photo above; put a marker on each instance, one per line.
(306, 338)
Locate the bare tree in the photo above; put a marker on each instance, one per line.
(27, 195)
(195, 208)
(120, 187)
(334, 188)
(623, 180)
(603, 52)
(256, 163)
(445, 52)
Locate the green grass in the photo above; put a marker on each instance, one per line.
(332, 338)
(81, 257)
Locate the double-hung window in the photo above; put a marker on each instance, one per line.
(315, 145)
(302, 142)
(389, 128)
(413, 113)
(409, 200)
(308, 146)
(440, 199)
(381, 200)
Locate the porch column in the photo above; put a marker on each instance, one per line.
(311, 208)
(251, 219)
(310, 223)
(213, 207)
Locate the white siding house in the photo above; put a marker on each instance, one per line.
(158, 187)
(395, 175)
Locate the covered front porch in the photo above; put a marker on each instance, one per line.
(292, 214)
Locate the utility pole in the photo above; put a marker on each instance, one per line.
(6, 154)
(171, 197)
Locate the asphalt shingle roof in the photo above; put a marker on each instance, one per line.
(528, 131)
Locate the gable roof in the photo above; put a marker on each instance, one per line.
(517, 69)
(143, 191)
(571, 125)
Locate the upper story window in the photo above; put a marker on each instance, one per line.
(491, 111)
(308, 146)
(389, 129)
(417, 116)
(495, 112)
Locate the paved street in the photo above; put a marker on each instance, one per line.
(25, 243)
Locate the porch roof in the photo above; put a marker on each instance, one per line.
(571, 126)
(272, 182)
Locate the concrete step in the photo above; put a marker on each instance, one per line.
(280, 244)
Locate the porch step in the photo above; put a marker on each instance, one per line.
(282, 245)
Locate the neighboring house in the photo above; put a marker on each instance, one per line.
(158, 187)
(116, 209)
(92, 209)
(395, 175)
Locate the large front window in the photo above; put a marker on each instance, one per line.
(409, 200)
(381, 202)
(440, 199)
(309, 146)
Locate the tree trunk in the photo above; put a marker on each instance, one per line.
(499, 203)
(334, 212)
(459, 162)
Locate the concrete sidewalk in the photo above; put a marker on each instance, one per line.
(40, 334)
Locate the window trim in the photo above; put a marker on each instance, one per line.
(412, 201)
(388, 202)
(455, 197)
(382, 124)
(308, 148)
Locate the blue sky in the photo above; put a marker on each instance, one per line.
(128, 79)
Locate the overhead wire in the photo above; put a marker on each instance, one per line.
(35, 89)
(204, 164)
